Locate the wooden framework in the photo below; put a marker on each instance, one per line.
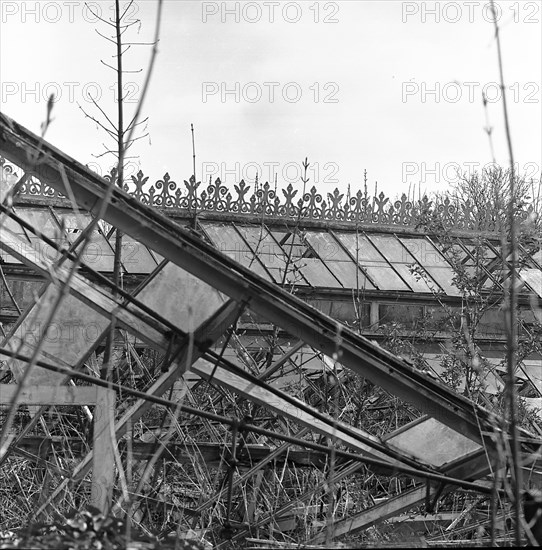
(186, 308)
(103, 462)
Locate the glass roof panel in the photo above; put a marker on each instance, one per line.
(303, 256)
(98, 255)
(374, 264)
(285, 238)
(229, 242)
(270, 253)
(293, 275)
(41, 219)
(226, 239)
(326, 247)
(262, 243)
(401, 260)
(424, 251)
(360, 248)
(349, 275)
(337, 260)
(136, 257)
(316, 273)
(433, 262)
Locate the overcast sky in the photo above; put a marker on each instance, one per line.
(391, 87)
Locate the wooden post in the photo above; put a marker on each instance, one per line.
(103, 463)
(103, 473)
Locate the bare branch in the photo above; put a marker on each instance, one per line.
(112, 133)
(105, 153)
(140, 43)
(135, 71)
(133, 140)
(107, 65)
(104, 36)
(103, 113)
(137, 123)
(127, 8)
(98, 16)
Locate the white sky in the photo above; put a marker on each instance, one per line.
(376, 60)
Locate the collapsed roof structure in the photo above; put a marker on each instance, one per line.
(217, 275)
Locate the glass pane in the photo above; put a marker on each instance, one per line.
(229, 242)
(431, 442)
(457, 253)
(360, 248)
(99, 254)
(373, 263)
(533, 277)
(349, 275)
(41, 219)
(264, 246)
(294, 275)
(135, 256)
(337, 260)
(285, 238)
(316, 273)
(301, 254)
(401, 260)
(326, 247)
(32, 246)
(533, 369)
(409, 317)
(434, 263)
(226, 239)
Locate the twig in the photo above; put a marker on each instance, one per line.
(512, 337)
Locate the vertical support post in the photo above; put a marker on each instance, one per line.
(103, 459)
(374, 315)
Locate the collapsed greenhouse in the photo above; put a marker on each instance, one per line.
(275, 366)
